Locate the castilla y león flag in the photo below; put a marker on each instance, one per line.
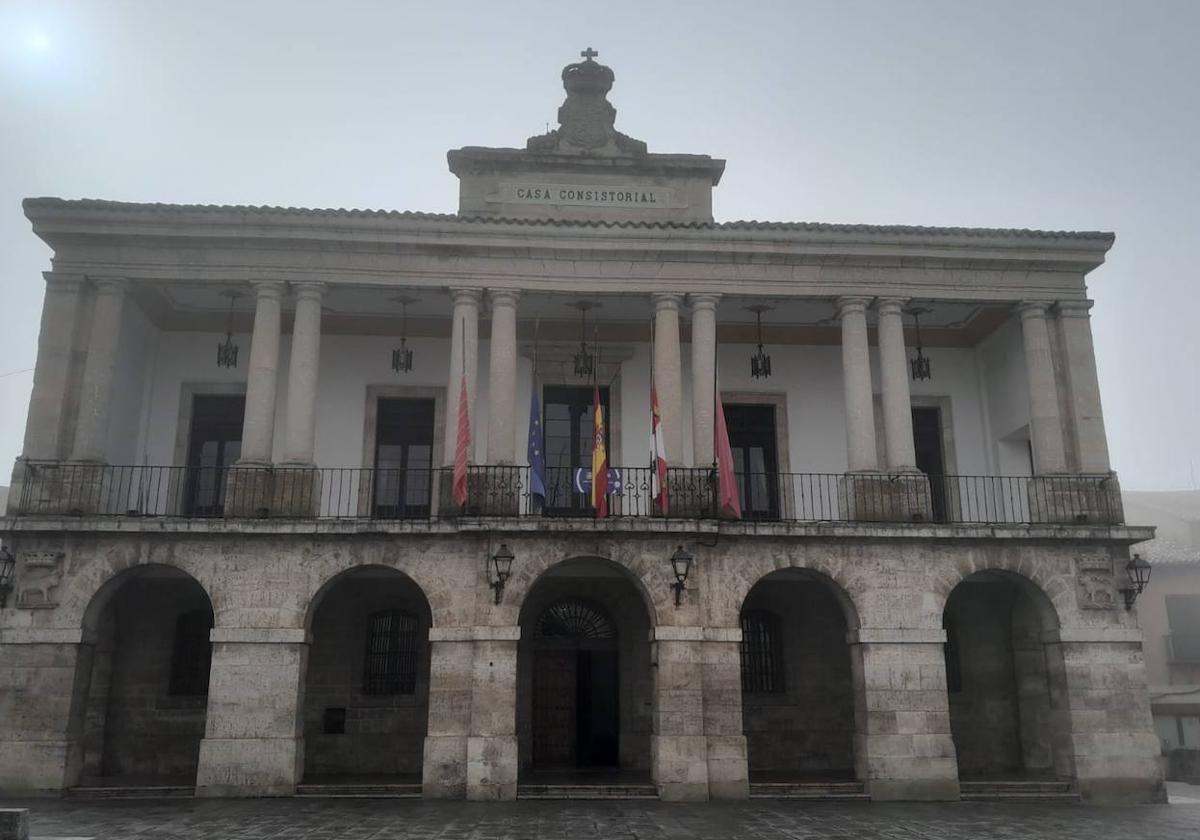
(658, 455)
(461, 445)
(726, 478)
(599, 458)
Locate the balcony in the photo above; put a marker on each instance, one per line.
(87, 490)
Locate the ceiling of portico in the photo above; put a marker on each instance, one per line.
(371, 311)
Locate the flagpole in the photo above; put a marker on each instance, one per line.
(715, 403)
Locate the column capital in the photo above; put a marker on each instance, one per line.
(1074, 308)
(308, 289)
(850, 304)
(60, 282)
(666, 300)
(504, 297)
(268, 289)
(462, 296)
(1032, 309)
(704, 302)
(110, 285)
(891, 305)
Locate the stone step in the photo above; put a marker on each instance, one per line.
(811, 791)
(1018, 791)
(360, 791)
(132, 792)
(597, 791)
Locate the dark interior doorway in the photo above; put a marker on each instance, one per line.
(755, 458)
(567, 426)
(214, 444)
(403, 458)
(927, 441)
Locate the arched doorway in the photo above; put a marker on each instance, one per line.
(798, 697)
(147, 687)
(585, 691)
(366, 700)
(1006, 681)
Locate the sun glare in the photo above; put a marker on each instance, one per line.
(38, 42)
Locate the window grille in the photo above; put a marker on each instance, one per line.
(762, 654)
(391, 661)
(574, 620)
(191, 654)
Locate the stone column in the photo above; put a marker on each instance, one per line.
(856, 377)
(893, 376)
(704, 348)
(464, 339)
(52, 370)
(1086, 415)
(903, 747)
(254, 733)
(44, 679)
(668, 373)
(1045, 424)
(678, 747)
(303, 368)
(502, 377)
(258, 425)
(492, 742)
(451, 666)
(95, 392)
(728, 774)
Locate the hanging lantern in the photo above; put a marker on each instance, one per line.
(760, 362)
(402, 356)
(920, 362)
(227, 351)
(585, 362)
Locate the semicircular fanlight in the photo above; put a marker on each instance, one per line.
(574, 620)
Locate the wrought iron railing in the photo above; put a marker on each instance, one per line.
(424, 494)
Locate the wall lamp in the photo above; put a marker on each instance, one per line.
(681, 565)
(500, 570)
(8, 570)
(1138, 571)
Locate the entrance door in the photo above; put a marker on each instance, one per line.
(554, 709)
(214, 443)
(567, 426)
(752, 441)
(403, 458)
(927, 440)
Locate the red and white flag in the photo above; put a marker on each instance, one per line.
(730, 505)
(658, 455)
(462, 446)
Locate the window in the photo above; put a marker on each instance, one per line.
(752, 443)
(391, 662)
(762, 655)
(191, 654)
(403, 458)
(214, 443)
(567, 426)
(1183, 621)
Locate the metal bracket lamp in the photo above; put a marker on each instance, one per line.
(1138, 571)
(585, 362)
(500, 569)
(8, 570)
(681, 565)
(920, 362)
(227, 351)
(402, 356)
(760, 362)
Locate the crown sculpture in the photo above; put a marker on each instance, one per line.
(586, 119)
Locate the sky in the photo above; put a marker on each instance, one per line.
(1052, 115)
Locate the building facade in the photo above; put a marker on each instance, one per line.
(242, 568)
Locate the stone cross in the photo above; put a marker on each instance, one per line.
(589, 54)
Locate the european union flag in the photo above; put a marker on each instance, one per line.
(537, 454)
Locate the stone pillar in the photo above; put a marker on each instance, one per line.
(254, 733)
(502, 377)
(1045, 424)
(44, 679)
(451, 666)
(856, 377)
(492, 742)
(893, 377)
(678, 748)
(903, 747)
(728, 774)
(52, 370)
(1086, 414)
(704, 348)
(95, 391)
(303, 369)
(668, 373)
(464, 339)
(258, 425)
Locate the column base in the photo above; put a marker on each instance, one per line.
(1075, 500)
(728, 772)
(680, 767)
(444, 767)
(248, 490)
(236, 767)
(296, 491)
(36, 768)
(883, 497)
(913, 790)
(491, 491)
(491, 767)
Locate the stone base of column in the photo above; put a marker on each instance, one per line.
(879, 497)
(728, 774)
(444, 767)
(1075, 500)
(249, 491)
(37, 768)
(296, 491)
(679, 767)
(691, 493)
(14, 824)
(493, 491)
(491, 767)
(249, 766)
(73, 489)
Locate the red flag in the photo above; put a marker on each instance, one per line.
(461, 447)
(599, 458)
(658, 455)
(726, 478)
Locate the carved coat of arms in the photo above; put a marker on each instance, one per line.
(40, 576)
(1094, 584)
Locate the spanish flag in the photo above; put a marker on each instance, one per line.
(599, 458)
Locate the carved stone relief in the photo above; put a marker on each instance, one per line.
(1094, 584)
(41, 572)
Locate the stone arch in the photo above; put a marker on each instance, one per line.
(519, 588)
(1053, 597)
(332, 580)
(737, 581)
(144, 688)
